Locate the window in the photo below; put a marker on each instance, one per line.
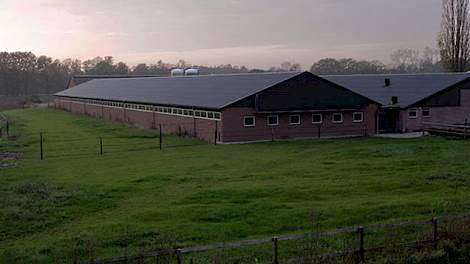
(412, 113)
(249, 121)
(273, 120)
(337, 118)
(358, 117)
(294, 120)
(426, 112)
(317, 118)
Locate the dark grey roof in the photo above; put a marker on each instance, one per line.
(410, 88)
(206, 91)
(79, 79)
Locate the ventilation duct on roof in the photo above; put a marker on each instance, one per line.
(177, 72)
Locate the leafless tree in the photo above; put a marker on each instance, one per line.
(454, 38)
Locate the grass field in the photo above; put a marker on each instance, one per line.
(84, 205)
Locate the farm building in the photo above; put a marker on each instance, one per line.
(228, 108)
(265, 106)
(410, 100)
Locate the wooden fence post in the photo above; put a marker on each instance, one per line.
(40, 145)
(101, 146)
(275, 250)
(362, 257)
(179, 256)
(8, 128)
(160, 136)
(435, 234)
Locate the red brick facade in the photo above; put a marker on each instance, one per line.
(231, 128)
(439, 114)
(171, 124)
(235, 131)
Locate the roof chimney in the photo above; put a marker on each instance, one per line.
(387, 82)
(394, 100)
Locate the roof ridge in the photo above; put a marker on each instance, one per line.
(396, 74)
(184, 76)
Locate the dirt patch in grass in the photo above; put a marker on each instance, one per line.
(9, 159)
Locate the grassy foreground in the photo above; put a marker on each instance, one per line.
(83, 206)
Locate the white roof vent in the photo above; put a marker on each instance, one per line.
(190, 72)
(177, 72)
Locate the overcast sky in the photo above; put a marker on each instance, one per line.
(255, 33)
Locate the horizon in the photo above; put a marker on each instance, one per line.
(221, 32)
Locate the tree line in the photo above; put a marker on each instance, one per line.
(23, 73)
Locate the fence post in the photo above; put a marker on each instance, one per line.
(216, 132)
(362, 258)
(1, 132)
(160, 136)
(179, 257)
(272, 134)
(465, 129)
(435, 235)
(40, 145)
(8, 129)
(319, 131)
(101, 146)
(275, 250)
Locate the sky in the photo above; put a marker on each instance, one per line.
(254, 33)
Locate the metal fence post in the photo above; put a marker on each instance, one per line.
(216, 132)
(362, 258)
(160, 136)
(275, 250)
(435, 235)
(179, 257)
(465, 129)
(40, 145)
(101, 146)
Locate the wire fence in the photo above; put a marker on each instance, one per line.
(350, 245)
(83, 143)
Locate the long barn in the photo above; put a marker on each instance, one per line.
(265, 106)
(228, 108)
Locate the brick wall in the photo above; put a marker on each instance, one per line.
(171, 124)
(234, 130)
(442, 114)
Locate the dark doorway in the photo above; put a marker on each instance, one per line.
(388, 120)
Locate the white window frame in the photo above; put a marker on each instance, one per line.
(321, 119)
(412, 110)
(426, 109)
(362, 117)
(333, 118)
(277, 120)
(244, 121)
(294, 124)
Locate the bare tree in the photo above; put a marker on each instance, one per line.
(454, 38)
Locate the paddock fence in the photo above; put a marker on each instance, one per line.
(462, 130)
(348, 245)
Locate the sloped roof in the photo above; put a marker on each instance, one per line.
(410, 88)
(204, 91)
(79, 79)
